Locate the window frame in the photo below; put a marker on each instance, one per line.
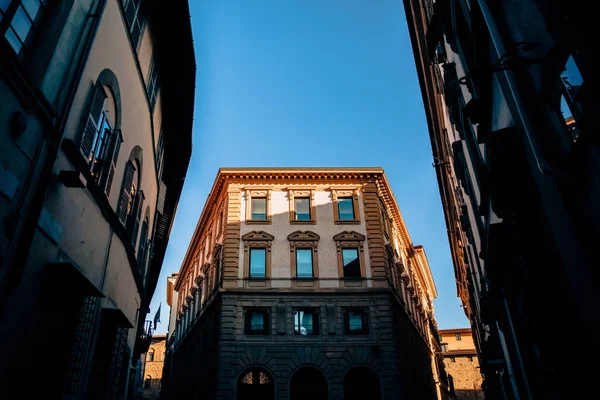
(257, 239)
(248, 322)
(336, 194)
(304, 240)
(344, 265)
(316, 321)
(257, 193)
(350, 239)
(294, 194)
(364, 319)
(458, 337)
(255, 249)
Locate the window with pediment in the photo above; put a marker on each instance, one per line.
(257, 254)
(350, 251)
(303, 254)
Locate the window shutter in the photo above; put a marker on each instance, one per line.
(126, 192)
(91, 123)
(112, 154)
(135, 216)
(162, 192)
(142, 248)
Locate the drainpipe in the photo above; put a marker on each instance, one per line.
(15, 272)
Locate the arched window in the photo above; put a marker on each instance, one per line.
(150, 355)
(309, 383)
(132, 198)
(255, 383)
(148, 382)
(361, 383)
(101, 138)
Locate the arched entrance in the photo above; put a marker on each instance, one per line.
(361, 383)
(308, 383)
(255, 383)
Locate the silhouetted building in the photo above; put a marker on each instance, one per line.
(302, 283)
(509, 95)
(95, 138)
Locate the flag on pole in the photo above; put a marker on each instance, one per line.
(157, 316)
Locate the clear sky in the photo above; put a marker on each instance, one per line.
(300, 83)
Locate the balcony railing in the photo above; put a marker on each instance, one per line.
(145, 337)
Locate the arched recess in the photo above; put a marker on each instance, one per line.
(255, 383)
(109, 79)
(308, 383)
(361, 382)
(137, 156)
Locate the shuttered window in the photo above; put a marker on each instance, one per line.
(127, 193)
(99, 143)
(143, 248)
(133, 223)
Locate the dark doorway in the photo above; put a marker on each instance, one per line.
(255, 383)
(308, 384)
(361, 383)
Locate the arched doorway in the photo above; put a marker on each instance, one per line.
(361, 383)
(255, 383)
(308, 383)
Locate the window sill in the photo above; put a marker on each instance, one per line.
(303, 222)
(258, 222)
(348, 222)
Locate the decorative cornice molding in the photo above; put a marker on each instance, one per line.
(303, 236)
(349, 236)
(258, 235)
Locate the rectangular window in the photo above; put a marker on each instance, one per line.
(153, 83)
(304, 263)
(302, 209)
(256, 322)
(258, 263)
(135, 16)
(458, 336)
(24, 19)
(444, 347)
(356, 323)
(306, 322)
(346, 209)
(258, 209)
(351, 263)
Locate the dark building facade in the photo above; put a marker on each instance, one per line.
(96, 109)
(508, 93)
(302, 283)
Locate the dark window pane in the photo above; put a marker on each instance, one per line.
(304, 263)
(356, 322)
(257, 321)
(13, 40)
(351, 262)
(32, 7)
(259, 209)
(258, 262)
(305, 323)
(4, 6)
(302, 205)
(21, 24)
(346, 209)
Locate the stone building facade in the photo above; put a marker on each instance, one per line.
(95, 138)
(509, 91)
(462, 364)
(153, 361)
(302, 283)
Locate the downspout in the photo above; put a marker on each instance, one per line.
(15, 273)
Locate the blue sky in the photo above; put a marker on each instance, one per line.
(312, 83)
